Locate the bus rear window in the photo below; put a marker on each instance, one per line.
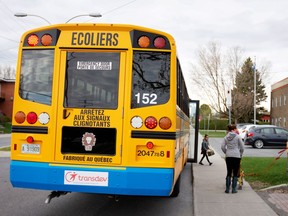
(37, 75)
(92, 80)
(151, 79)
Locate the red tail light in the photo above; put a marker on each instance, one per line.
(250, 134)
(32, 118)
(150, 122)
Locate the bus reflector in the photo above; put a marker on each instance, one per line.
(46, 40)
(143, 41)
(159, 42)
(19, 117)
(33, 40)
(31, 117)
(168, 154)
(149, 145)
(150, 122)
(30, 139)
(165, 123)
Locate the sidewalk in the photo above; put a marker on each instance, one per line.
(209, 196)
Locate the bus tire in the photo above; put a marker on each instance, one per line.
(176, 189)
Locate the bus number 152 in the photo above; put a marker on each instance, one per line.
(146, 98)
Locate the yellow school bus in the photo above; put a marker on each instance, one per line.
(99, 108)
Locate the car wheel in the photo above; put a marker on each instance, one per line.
(258, 144)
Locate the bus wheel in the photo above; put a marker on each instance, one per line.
(176, 188)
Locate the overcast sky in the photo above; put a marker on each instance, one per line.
(257, 26)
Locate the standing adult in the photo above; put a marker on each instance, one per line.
(233, 148)
(204, 148)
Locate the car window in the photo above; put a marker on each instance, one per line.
(281, 131)
(268, 131)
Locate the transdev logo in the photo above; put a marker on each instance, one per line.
(85, 178)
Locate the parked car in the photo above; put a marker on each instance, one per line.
(267, 136)
(243, 132)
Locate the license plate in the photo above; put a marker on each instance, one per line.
(30, 149)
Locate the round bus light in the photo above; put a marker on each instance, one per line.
(46, 40)
(150, 122)
(165, 123)
(33, 40)
(20, 117)
(30, 139)
(44, 118)
(159, 42)
(150, 145)
(143, 41)
(136, 122)
(32, 117)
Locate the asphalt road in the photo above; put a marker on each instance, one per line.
(249, 151)
(26, 202)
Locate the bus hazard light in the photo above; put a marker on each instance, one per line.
(144, 41)
(33, 40)
(46, 40)
(159, 42)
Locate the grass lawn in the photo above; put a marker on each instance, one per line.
(262, 172)
(213, 133)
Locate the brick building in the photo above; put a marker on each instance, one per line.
(279, 103)
(6, 96)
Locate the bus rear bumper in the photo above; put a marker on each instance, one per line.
(116, 181)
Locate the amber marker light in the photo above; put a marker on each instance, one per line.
(33, 40)
(165, 123)
(19, 117)
(144, 41)
(46, 40)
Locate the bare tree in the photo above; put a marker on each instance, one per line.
(7, 72)
(215, 73)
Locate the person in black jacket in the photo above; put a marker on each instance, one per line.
(204, 148)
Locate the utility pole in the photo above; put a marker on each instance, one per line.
(254, 70)
(229, 104)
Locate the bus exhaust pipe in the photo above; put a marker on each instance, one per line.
(115, 197)
(54, 194)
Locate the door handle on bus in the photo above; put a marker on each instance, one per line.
(65, 115)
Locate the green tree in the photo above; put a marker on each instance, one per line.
(243, 92)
